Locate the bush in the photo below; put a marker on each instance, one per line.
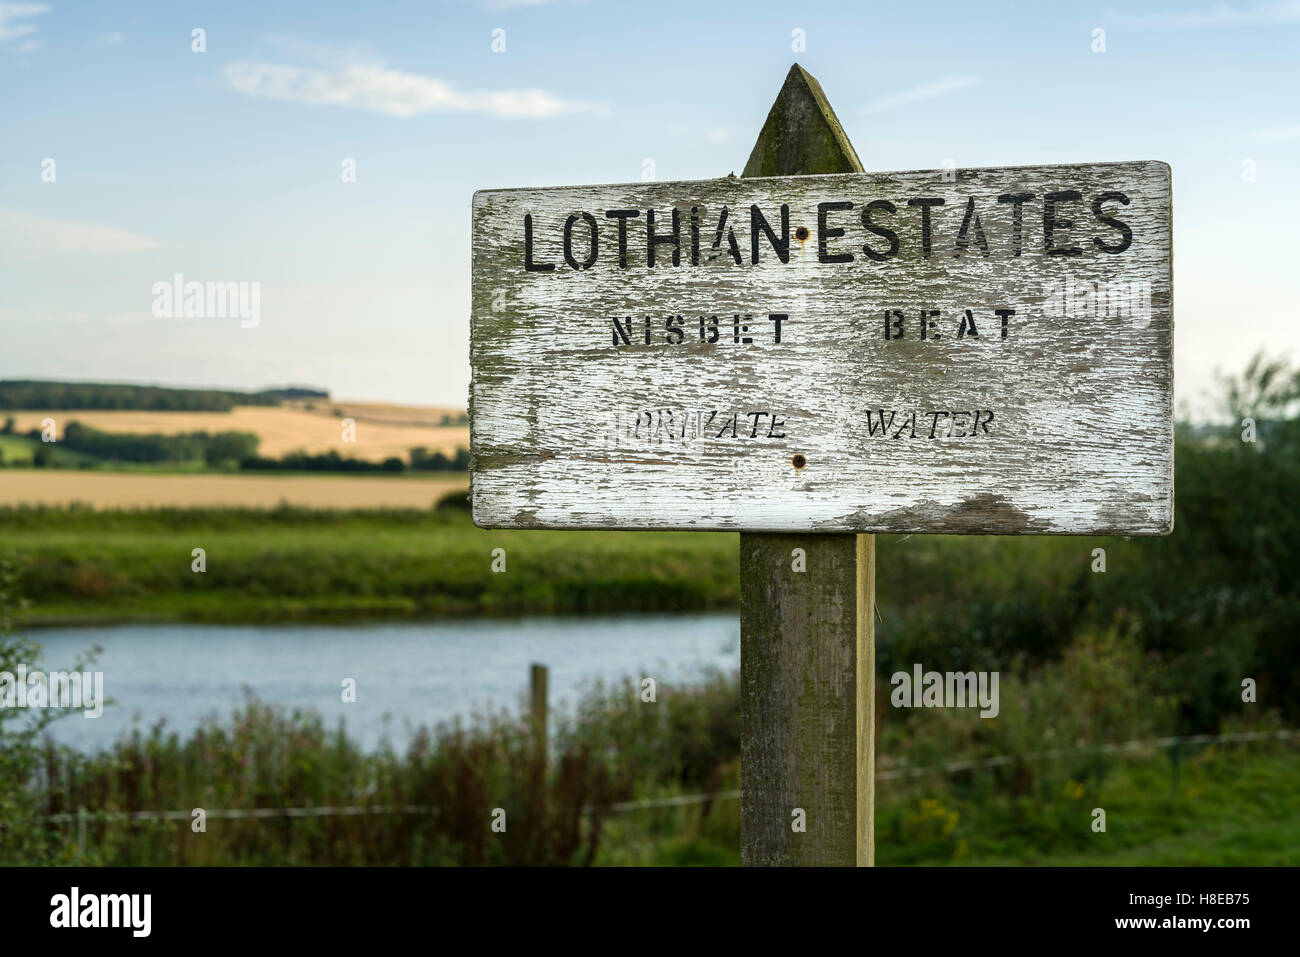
(25, 834)
(330, 461)
(455, 500)
(425, 461)
(215, 449)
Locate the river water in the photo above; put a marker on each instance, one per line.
(406, 673)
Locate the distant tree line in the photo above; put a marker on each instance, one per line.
(33, 394)
(424, 461)
(220, 450)
(213, 448)
(329, 461)
(421, 460)
(293, 392)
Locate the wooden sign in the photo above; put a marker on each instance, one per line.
(972, 351)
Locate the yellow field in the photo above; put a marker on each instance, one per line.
(143, 490)
(313, 426)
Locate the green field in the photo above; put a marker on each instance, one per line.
(296, 563)
(18, 450)
(290, 564)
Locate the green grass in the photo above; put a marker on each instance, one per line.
(19, 449)
(1236, 806)
(296, 564)
(15, 449)
(1232, 806)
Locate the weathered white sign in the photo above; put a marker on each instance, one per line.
(982, 351)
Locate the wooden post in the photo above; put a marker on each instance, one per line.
(537, 706)
(807, 638)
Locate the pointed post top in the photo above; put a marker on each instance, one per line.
(802, 135)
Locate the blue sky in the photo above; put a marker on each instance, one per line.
(226, 164)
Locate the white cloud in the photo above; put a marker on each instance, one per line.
(12, 13)
(927, 91)
(110, 39)
(24, 234)
(372, 86)
(1219, 15)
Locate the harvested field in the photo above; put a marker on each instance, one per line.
(104, 490)
(313, 426)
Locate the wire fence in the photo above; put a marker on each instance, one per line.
(1127, 747)
(83, 817)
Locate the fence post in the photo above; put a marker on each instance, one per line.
(807, 639)
(81, 832)
(537, 706)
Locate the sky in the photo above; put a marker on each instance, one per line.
(328, 152)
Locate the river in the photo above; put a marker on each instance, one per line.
(406, 673)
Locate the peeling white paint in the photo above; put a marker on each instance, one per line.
(1082, 436)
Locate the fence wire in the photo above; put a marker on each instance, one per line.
(84, 816)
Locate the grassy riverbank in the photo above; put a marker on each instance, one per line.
(79, 565)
